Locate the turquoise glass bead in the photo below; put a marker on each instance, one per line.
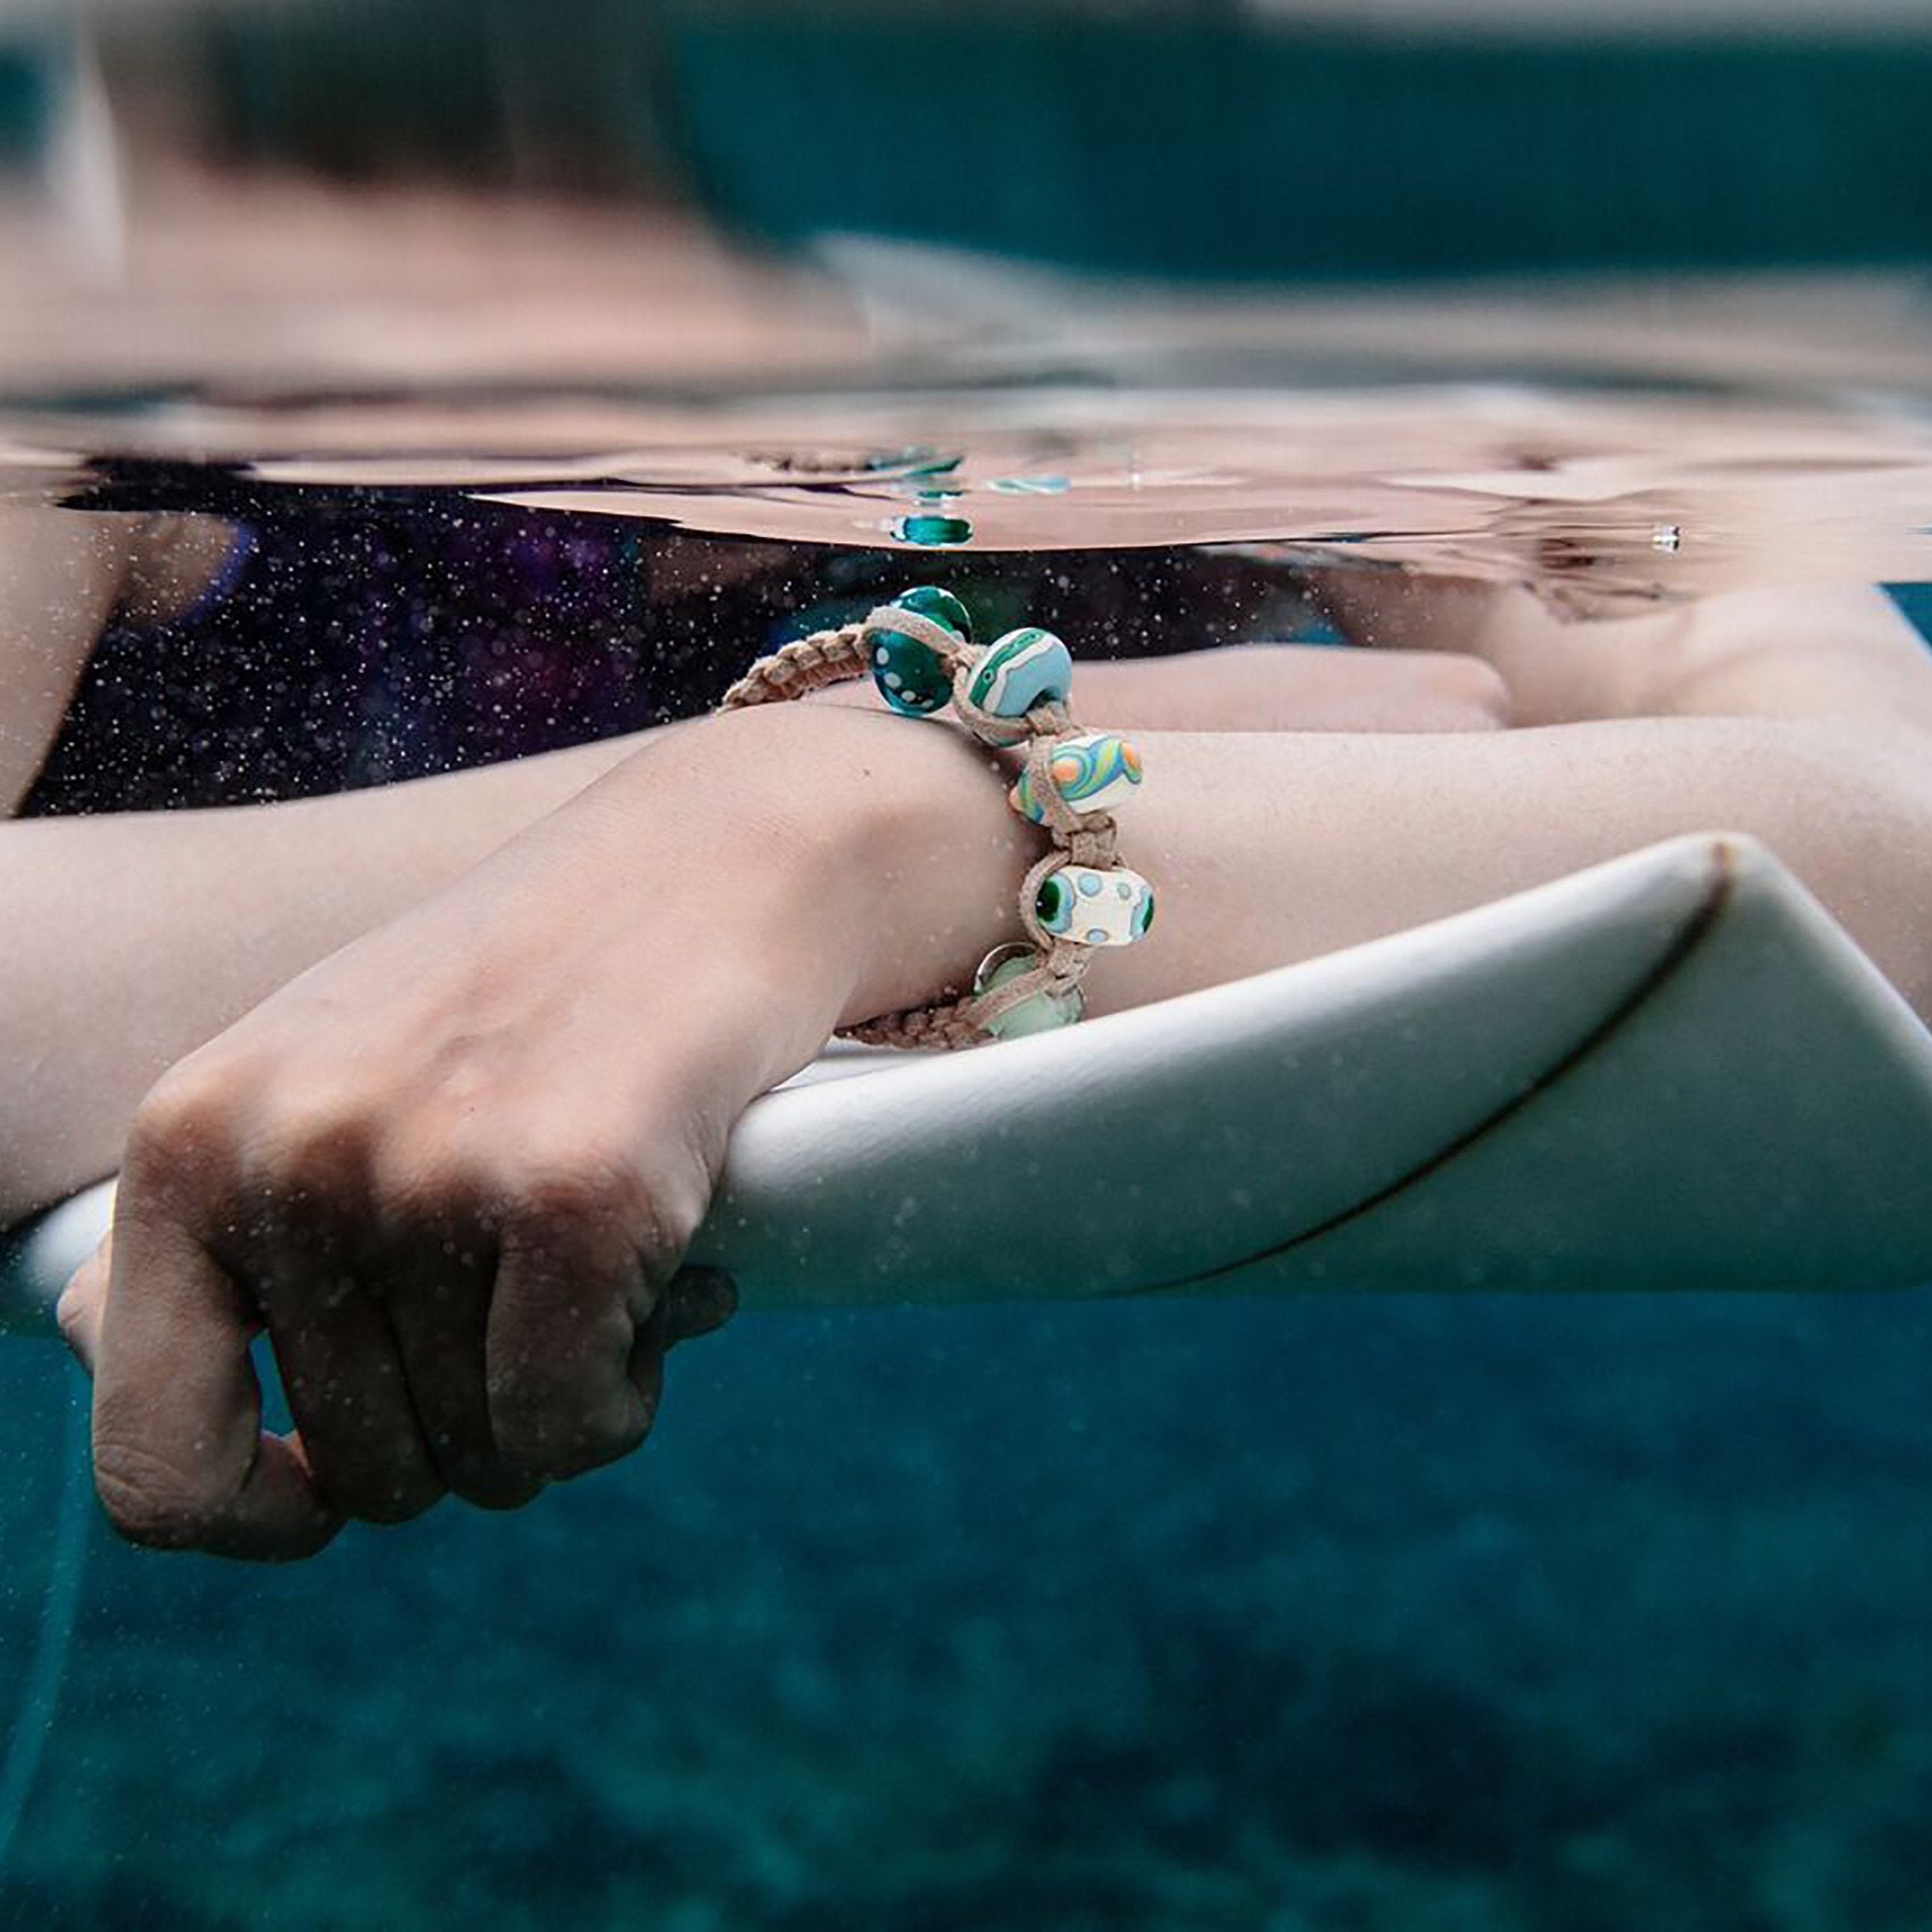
(1043, 1013)
(941, 606)
(932, 531)
(1025, 667)
(911, 675)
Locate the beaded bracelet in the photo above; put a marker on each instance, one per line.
(1014, 693)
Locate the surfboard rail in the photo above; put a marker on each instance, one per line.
(1674, 1070)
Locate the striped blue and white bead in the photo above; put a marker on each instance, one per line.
(1026, 667)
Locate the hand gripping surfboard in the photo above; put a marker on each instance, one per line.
(1673, 1071)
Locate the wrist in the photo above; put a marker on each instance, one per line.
(890, 840)
(937, 858)
(851, 863)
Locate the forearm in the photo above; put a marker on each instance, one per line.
(146, 934)
(1811, 652)
(135, 938)
(1265, 849)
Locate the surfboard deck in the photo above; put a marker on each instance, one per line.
(1672, 1071)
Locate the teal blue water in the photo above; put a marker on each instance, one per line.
(1435, 1612)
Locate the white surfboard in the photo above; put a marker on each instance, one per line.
(1674, 1071)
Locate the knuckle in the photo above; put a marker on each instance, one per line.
(677, 1213)
(423, 1174)
(190, 1093)
(539, 1180)
(577, 1182)
(149, 1502)
(313, 1130)
(557, 1172)
(182, 1121)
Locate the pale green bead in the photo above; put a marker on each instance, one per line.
(1044, 1013)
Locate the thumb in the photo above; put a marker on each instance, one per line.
(698, 1300)
(81, 1302)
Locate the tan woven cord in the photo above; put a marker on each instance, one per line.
(810, 664)
(797, 669)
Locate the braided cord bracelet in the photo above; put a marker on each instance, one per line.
(1014, 693)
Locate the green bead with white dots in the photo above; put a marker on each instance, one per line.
(911, 675)
(1095, 905)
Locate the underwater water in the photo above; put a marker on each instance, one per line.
(1443, 1611)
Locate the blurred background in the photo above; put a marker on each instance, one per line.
(709, 184)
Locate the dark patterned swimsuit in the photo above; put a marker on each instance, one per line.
(351, 645)
(356, 638)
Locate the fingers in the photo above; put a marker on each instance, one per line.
(78, 1310)
(698, 1300)
(181, 1460)
(442, 1332)
(343, 1375)
(571, 1304)
(459, 1308)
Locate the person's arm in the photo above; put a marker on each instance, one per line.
(65, 575)
(135, 938)
(61, 575)
(453, 1168)
(1806, 651)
